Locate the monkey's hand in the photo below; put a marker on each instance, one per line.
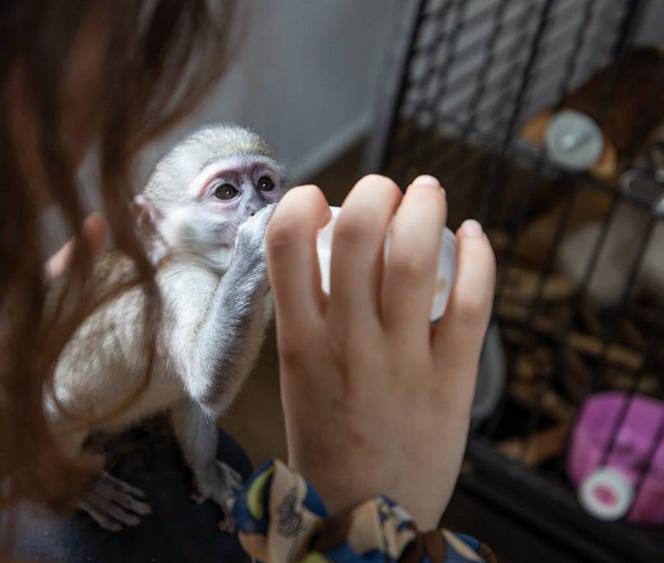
(114, 504)
(249, 255)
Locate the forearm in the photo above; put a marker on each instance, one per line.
(227, 342)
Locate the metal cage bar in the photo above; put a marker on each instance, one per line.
(466, 79)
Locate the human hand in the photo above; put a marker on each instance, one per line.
(376, 400)
(94, 230)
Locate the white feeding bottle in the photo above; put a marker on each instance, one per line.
(446, 268)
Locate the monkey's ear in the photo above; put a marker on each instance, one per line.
(147, 218)
(146, 215)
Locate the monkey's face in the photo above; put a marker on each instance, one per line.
(203, 225)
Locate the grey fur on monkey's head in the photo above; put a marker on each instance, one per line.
(209, 144)
(203, 190)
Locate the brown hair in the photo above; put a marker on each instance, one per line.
(74, 75)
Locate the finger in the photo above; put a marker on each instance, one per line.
(94, 231)
(292, 260)
(357, 251)
(459, 335)
(122, 486)
(410, 272)
(128, 502)
(123, 500)
(106, 506)
(59, 262)
(99, 516)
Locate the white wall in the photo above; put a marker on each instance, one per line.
(304, 78)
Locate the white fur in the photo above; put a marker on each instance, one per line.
(213, 289)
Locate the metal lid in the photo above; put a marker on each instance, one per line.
(573, 141)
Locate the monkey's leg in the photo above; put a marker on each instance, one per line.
(198, 435)
(114, 504)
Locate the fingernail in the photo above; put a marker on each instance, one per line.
(426, 180)
(471, 228)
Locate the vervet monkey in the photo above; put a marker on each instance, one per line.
(209, 201)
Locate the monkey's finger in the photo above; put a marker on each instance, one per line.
(121, 485)
(130, 503)
(459, 335)
(292, 260)
(94, 230)
(105, 506)
(410, 272)
(99, 516)
(228, 523)
(108, 489)
(357, 252)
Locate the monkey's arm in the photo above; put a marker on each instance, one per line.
(215, 357)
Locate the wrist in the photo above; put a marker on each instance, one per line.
(338, 490)
(343, 490)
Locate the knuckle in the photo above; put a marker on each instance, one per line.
(411, 268)
(292, 352)
(281, 236)
(470, 309)
(354, 227)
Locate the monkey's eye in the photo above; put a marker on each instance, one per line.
(265, 184)
(225, 191)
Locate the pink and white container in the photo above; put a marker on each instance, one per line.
(610, 491)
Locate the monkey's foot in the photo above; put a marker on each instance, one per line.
(219, 485)
(114, 504)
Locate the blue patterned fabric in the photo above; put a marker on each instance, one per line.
(281, 519)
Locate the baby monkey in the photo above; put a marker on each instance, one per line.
(209, 201)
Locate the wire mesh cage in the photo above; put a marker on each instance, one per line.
(545, 120)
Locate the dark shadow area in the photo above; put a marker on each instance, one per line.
(178, 530)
